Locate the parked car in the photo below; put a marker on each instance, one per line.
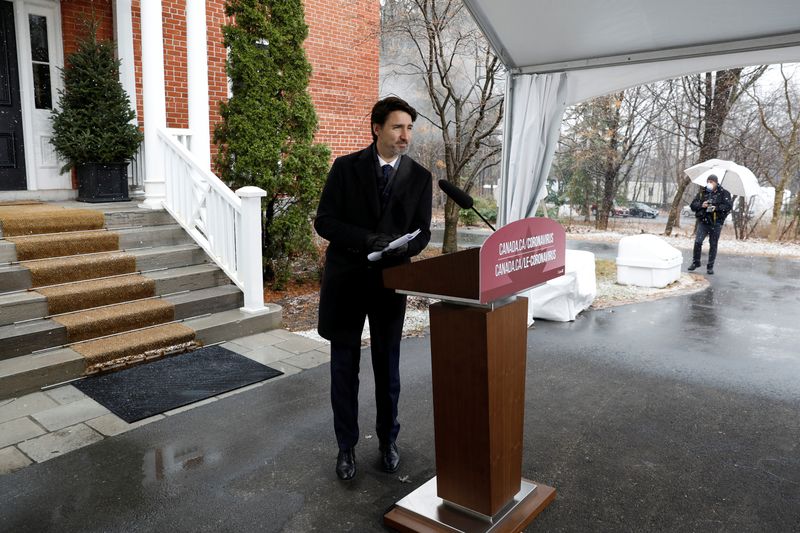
(638, 209)
(615, 211)
(619, 211)
(686, 211)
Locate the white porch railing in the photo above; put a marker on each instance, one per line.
(136, 170)
(225, 224)
(183, 136)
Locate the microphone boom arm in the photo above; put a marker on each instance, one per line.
(487, 222)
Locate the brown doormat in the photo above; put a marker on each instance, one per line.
(59, 245)
(31, 219)
(66, 269)
(95, 293)
(116, 319)
(134, 343)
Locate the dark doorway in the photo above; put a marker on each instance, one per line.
(12, 152)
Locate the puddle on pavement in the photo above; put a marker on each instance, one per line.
(161, 463)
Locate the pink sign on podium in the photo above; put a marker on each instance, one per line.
(521, 255)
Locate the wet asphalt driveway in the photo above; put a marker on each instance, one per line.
(676, 415)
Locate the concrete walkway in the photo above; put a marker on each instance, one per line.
(674, 415)
(41, 426)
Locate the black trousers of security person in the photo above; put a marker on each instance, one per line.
(385, 311)
(713, 232)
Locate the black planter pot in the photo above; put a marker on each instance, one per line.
(103, 182)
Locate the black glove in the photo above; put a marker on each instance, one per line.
(377, 241)
(400, 251)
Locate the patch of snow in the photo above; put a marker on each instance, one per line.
(730, 246)
(414, 325)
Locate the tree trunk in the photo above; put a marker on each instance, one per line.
(607, 204)
(718, 104)
(587, 209)
(450, 240)
(797, 214)
(675, 208)
(777, 204)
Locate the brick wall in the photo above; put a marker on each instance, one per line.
(342, 47)
(75, 13)
(217, 78)
(175, 79)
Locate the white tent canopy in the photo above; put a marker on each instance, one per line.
(608, 46)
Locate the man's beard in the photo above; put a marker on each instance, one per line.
(400, 150)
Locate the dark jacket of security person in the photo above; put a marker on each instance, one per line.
(721, 200)
(711, 205)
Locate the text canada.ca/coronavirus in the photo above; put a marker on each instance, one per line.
(527, 243)
(523, 262)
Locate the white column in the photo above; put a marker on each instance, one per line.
(197, 75)
(249, 257)
(123, 35)
(153, 100)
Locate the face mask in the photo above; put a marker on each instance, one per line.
(709, 188)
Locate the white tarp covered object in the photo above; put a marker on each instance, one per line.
(562, 298)
(612, 45)
(647, 261)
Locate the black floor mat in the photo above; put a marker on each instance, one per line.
(149, 389)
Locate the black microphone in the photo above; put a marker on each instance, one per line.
(461, 198)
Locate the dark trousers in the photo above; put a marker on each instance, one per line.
(385, 332)
(712, 231)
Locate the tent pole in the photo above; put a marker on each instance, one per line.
(502, 208)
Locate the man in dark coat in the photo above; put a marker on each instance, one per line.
(710, 206)
(370, 198)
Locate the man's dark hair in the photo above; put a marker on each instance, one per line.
(383, 108)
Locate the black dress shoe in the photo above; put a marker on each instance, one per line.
(390, 457)
(710, 271)
(346, 464)
(693, 266)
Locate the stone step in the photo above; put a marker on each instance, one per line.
(29, 373)
(28, 305)
(129, 238)
(134, 216)
(122, 215)
(153, 236)
(26, 337)
(17, 277)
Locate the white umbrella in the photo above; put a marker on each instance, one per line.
(738, 180)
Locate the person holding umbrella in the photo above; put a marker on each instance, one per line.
(711, 205)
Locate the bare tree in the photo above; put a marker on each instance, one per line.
(609, 137)
(462, 80)
(780, 117)
(711, 95)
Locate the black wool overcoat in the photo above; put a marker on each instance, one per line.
(349, 210)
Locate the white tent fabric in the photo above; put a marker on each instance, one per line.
(530, 139)
(613, 45)
(589, 83)
(538, 36)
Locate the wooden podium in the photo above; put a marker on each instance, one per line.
(478, 354)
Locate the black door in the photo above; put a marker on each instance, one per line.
(12, 154)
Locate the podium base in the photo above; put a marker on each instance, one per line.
(424, 511)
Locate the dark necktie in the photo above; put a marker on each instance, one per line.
(383, 184)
